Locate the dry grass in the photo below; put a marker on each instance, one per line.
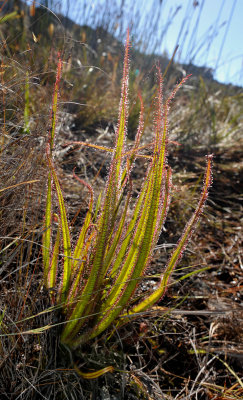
(189, 349)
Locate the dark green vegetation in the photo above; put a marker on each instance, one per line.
(189, 345)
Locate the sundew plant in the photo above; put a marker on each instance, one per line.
(94, 279)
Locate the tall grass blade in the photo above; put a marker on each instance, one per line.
(27, 105)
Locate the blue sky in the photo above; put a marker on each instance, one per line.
(225, 50)
(214, 40)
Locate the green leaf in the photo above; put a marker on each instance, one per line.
(5, 18)
(47, 231)
(176, 255)
(65, 279)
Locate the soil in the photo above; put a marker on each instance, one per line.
(190, 345)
